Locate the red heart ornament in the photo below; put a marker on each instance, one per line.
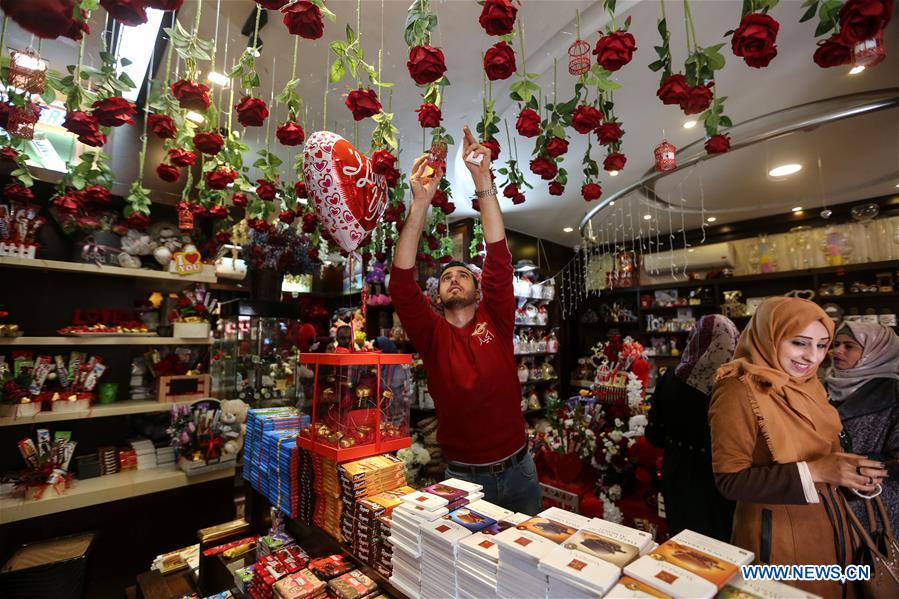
(349, 197)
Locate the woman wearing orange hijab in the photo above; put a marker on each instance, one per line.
(775, 443)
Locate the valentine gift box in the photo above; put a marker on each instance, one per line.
(358, 404)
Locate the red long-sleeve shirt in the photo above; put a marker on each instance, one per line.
(472, 374)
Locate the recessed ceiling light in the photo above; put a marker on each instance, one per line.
(785, 169)
(302, 201)
(613, 173)
(897, 184)
(689, 124)
(647, 217)
(567, 230)
(690, 251)
(796, 208)
(856, 70)
(195, 116)
(711, 219)
(218, 79)
(612, 203)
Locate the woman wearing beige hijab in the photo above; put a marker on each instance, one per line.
(775, 443)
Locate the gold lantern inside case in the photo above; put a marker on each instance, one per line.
(27, 71)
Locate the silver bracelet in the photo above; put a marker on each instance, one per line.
(485, 192)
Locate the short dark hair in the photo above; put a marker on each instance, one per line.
(461, 264)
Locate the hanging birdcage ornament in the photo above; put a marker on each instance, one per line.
(869, 53)
(22, 120)
(666, 157)
(27, 71)
(579, 57)
(185, 217)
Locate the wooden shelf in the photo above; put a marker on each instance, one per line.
(675, 308)
(119, 408)
(667, 332)
(111, 271)
(538, 326)
(539, 381)
(824, 299)
(126, 340)
(537, 353)
(536, 299)
(104, 489)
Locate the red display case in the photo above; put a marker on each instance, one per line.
(358, 404)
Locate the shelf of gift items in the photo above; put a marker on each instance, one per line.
(536, 299)
(106, 340)
(536, 326)
(536, 353)
(119, 408)
(538, 381)
(853, 296)
(113, 271)
(103, 489)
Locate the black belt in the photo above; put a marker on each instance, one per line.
(494, 468)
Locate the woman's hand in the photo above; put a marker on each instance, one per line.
(848, 470)
(423, 188)
(480, 172)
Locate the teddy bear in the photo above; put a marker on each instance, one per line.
(233, 424)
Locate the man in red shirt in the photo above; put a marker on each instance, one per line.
(468, 353)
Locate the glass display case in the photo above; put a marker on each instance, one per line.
(255, 354)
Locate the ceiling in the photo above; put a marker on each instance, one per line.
(859, 157)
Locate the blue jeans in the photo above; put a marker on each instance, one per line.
(516, 489)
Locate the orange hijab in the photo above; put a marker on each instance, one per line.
(774, 392)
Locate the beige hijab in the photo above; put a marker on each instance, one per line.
(775, 394)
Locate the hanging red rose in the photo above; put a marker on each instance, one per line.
(556, 147)
(97, 194)
(8, 154)
(16, 192)
(304, 19)
(546, 168)
(698, 99)
(126, 12)
(272, 4)
(448, 208)
(209, 142)
(614, 50)
(556, 188)
(137, 221)
(717, 144)
(190, 95)
(498, 17)
(251, 112)
(609, 133)
(46, 19)
(259, 225)
(674, 89)
(310, 222)
(167, 5)
(614, 162)
(439, 198)
(832, 52)
(85, 127)
(510, 190)
(429, 115)
(363, 103)
(168, 173)
(69, 203)
(220, 178)
(499, 61)
(287, 216)
(290, 134)
(426, 64)
(182, 158)
(585, 118)
(518, 199)
(299, 188)
(493, 146)
(861, 20)
(265, 190)
(382, 162)
(218, 212)
(591, 191)
(78, 28)
(161, 126)
(528, 123)
(113, 112)
(755, 40)
(240, 199)
(222, 237)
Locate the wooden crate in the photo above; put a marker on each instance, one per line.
(186, 387)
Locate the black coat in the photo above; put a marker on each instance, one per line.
(679, 424)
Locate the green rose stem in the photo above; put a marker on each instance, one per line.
(273, 104)
(255, 41)
(524, 70)
(3, 31)
(191, 63)
(691, 28)
(143, 149)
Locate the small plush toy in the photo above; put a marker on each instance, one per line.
(377, 273)
(233, 424)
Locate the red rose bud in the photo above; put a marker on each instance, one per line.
(393, 177)
(272, 4)
(585, 118)
(113, 112)
(161, 126)
(615, 50)
(510, 191)
(476, 204)
(299, 189)
(426, 64)
(556, 188)
(528, 123)
(259, 225)
(499, 61)
(698, 99)
(614, 162)
(310, 222)
(290, 134)
(832, 52)
(388, 243)
(556, 147)
(223, 237)
(209, 142)
(85, 127)
(441, 228)
(363, 103)
(137, 221)
(382, 162)
(674, 89)
(4, 112)
(182, 158)
(166, 5)
(445, 259)
(717, 144)
(609, 133)
(439, 198)
(190, 95)
(16, 192)
(498, 17)
(286, 216)
(304, 19)
(218, 212)
(251, 112)
(8, 154)
(78, 28)
(240, 199)
(47, 19)
(127, 12)
(220, 178)
(429, 115)
(493, 146)
(591, 191)
(97, 194)
(545, 167)
(861, 20)
(754, 40)
(433, 244)
(448, 208)
(69, 203)
(265, 190)
(312, 253)
(518, 199)
(366, 256)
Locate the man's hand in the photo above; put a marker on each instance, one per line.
(423, 188)
(480, 173)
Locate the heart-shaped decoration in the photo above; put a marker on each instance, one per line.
(192, 257)
(349, 196)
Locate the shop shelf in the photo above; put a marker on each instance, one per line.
(823, 299)
(113, 271)
(540, 326)
(530, 413)
(104, 489)
(538, 381)
(120, 408)
(132, 340)
(675, 308)
(537, 353)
